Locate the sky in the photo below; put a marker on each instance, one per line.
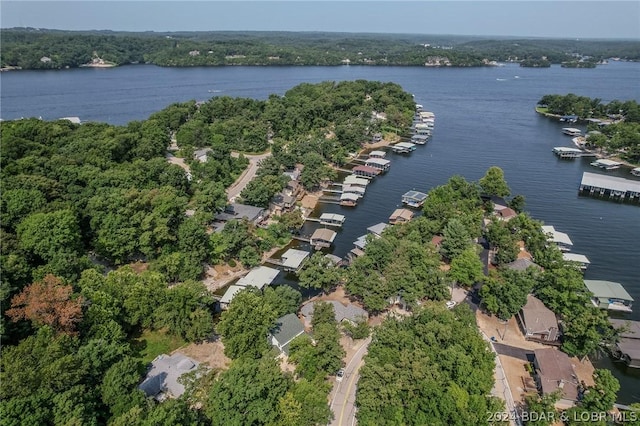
(534, 18)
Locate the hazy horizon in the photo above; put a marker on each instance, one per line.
(619, 20)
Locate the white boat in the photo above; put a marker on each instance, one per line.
(606, 164)
(636, 171)
(571, 131)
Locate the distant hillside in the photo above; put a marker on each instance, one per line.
(30, 48)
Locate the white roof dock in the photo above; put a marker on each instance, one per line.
(259, 277)
(408, 145)
(332, 218)
(377, 229)
(361, 242)
(230, 294)
(378, 162)
(354, 180)
(293, 259)
(595, 180)
(556, 236)
(574, 257)
(353, 190)
(350, 196)
(377, 154)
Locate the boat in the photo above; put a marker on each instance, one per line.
(571, 131)
(414, 199)
(636, 171)
(606, 164)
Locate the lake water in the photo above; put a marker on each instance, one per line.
(484, 117)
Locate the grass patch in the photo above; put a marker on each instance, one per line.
(151, 343)
(542, 110)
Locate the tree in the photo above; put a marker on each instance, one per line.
(456, 239)
(466, 268)
(245, 325)
(318, 272)
(493, 182)
(541, 405)
(602, 395)
(312, 396)
(119, 386)
(506, 293)
(249, 392)
(48, 302)
(186, 311)
(283, 299)
(358, 330)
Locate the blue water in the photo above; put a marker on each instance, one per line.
(480, 122)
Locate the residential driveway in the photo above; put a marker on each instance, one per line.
(344, 392)
(512, 351)
(250, 172)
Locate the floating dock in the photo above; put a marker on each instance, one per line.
(610, 187)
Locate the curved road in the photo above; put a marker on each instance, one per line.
(250, 172)
(344, 392)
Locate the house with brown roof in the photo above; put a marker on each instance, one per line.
(554, 371)
(322, 237)
(538, 322)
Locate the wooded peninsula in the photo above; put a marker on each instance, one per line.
(30, 48)
(104, 246)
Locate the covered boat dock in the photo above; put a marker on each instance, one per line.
(610, 186)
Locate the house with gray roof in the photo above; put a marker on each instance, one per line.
(522, 264)
(554, 371)
(349, 312)
(241, 211)
(538, 322)
(285, 330)
(162, 377)
(293, 260)
(259, 277)
(228, 296)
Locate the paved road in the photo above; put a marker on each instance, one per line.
(512, 351)
(344, 393)
(236, 188)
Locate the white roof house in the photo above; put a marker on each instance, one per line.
(377, 229)
(292, 259)
(579, 258)
(259, 277)
(162, 377)
(228, 296)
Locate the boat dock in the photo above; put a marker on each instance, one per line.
(568, 153)
(610, 187)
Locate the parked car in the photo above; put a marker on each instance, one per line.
(451, 304)
(340, 375)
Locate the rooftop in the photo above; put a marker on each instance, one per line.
(379, 161)
(414, 195)
(574, 257)
(332, 217)
(355, 180)
(556, 372)
(259, 277)
(632, 327)
(349, 312)
(349, 196)
(607, 290)
(556, 236)
(537, 317)
(286, 329)
(404, 214)
(162, 376)
(231, 293)
(377, 154)
(324, 234)
(522, 264)
(610, 182)
(240, 211)
(377, 229)
(293, 258)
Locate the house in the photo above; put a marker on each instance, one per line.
(350, 313)
(241, 211)
(294, 189)
(162, 377)
(228, 296)
(322, 238)
(202, 154)
(538, 322)
(522, 264)
(285, 330)
(281, 203)
(293, 260)
(628, 345)
(259, 277)
(560, 239)
(609, 295)
(505, 213)
(553, 370)
(294, 173)
(365, 171)
(400, 216)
